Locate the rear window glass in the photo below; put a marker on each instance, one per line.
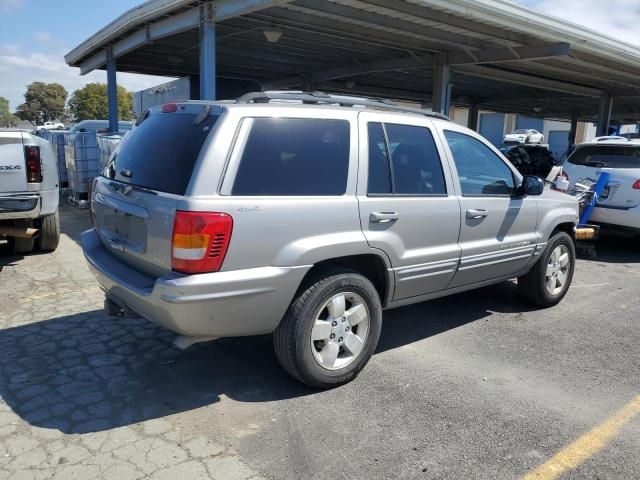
(606, 156)
(294, 156)
(160, 153)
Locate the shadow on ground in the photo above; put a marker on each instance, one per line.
(611, 248)
(88, 372)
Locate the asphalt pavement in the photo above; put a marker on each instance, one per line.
(477, 385)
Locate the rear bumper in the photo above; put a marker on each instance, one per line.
(28, 205)
(223, 304)
(623, 218)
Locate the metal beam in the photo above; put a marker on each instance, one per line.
(472, 121)
(358, 68)
(207, 54)
(572, 131)
(112, 91)
(97, 61)
(604, 115)
(441, 97)
(512, 54)
(528, 80)
(187, 20)
(530, 52)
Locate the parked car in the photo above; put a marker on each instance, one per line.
(99, 126)
(307, 220)
(619, 203)
(522, 135)
(51, 126)
(531, 159)
(28, 192)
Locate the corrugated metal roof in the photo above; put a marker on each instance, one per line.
(382, 47)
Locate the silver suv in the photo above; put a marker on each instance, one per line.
(306, 215)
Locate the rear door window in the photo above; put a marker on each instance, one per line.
(294, 156)
(160, 153)
(606, 156)
(415, 167)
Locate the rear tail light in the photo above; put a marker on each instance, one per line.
(34, 166)
(169, 108)
(636, 185)
(200, 241)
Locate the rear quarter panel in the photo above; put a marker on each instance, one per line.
(276, 230)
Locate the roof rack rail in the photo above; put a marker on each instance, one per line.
(606, 138)
(331, 99)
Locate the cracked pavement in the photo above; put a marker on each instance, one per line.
(477, 385)
(88, 396)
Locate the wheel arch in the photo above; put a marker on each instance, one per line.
(567, 227)
(370, 265)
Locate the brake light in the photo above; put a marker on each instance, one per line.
(636, 185)
(200, 241)
(34, 166)
(169, 108)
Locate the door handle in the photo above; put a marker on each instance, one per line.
(474, 214)
(383, 217)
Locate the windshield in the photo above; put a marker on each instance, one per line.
(160, 153)
(607, 156)
(520, 131)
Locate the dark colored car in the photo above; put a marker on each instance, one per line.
(531, 159)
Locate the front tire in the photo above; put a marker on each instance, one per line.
(49, 233)
(548, 281)
(331, 329)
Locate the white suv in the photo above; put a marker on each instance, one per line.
(619, 203)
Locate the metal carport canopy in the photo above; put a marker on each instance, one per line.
(501, 56)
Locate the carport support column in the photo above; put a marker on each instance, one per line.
(573, 132)
(112, 91)
(472, 121)
(207, 53)
(604, 115)
(441, 85)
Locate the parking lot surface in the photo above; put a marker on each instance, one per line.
(478, 385)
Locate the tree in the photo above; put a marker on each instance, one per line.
(90, 102)
(44, 102)
(7, 119)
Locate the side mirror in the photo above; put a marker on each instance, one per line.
(531, 185)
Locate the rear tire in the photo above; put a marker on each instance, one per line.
(49, 233)
(331, 329)
(548, 281)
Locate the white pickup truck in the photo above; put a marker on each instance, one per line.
(51, 126)
(29, 192)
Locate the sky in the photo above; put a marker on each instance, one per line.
(36, 34)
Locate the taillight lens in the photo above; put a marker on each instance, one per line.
(169, 108)
(200, 241)
(34, 166)
(636, 185)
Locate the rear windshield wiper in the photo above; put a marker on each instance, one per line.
(125, 188)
